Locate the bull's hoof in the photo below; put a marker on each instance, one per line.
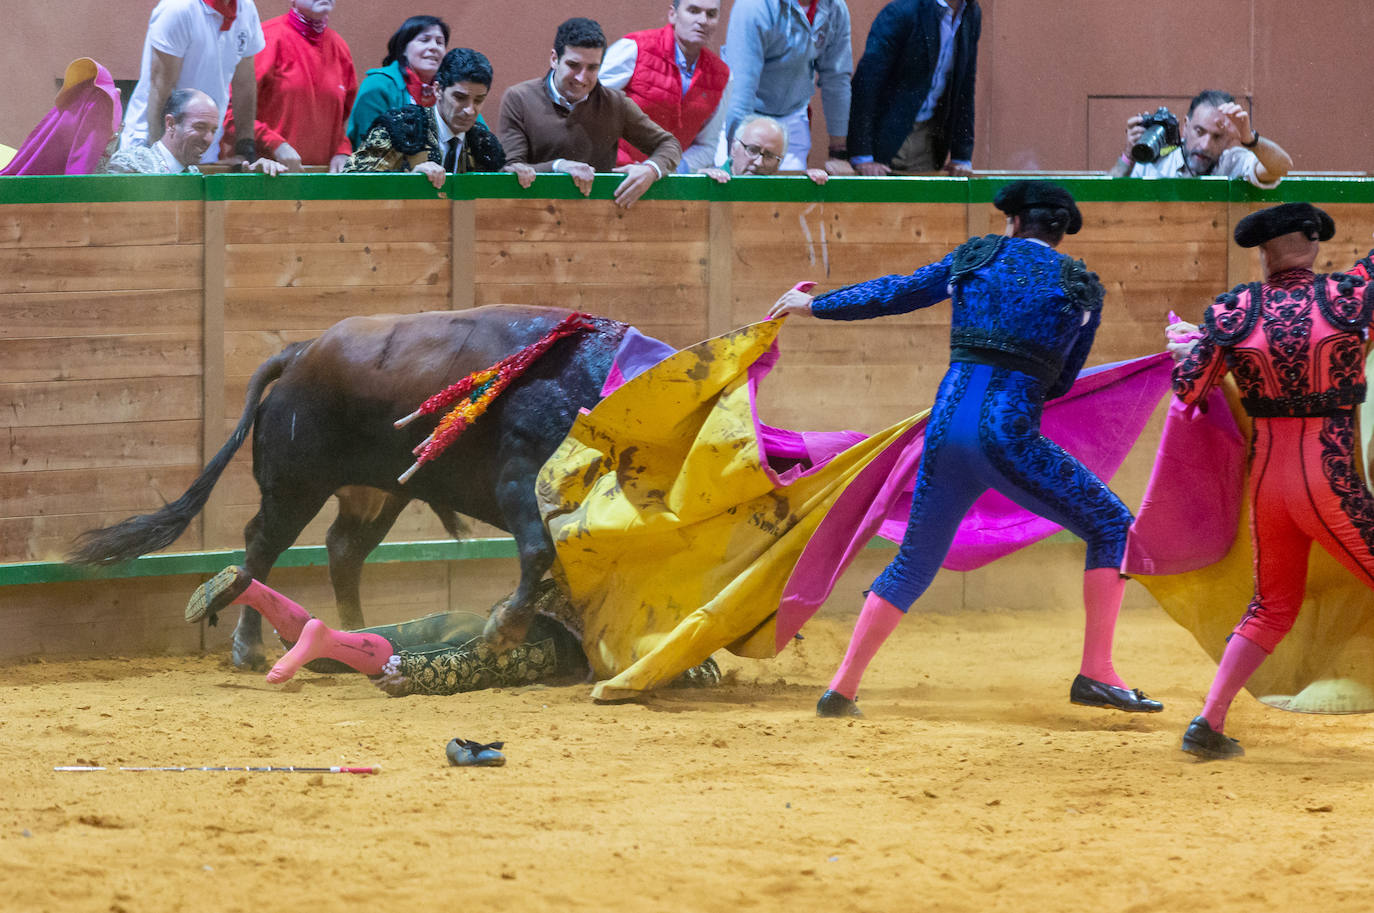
(216, 593)
(247, 655)
(506, 629)
(704, 675)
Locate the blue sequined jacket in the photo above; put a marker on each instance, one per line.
(1017, 304)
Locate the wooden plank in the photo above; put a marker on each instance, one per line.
(83, 491)
(1146, 223)
(127, 445)
(589, 221)
(67, 225)
(101, 618)
(1188, 261)
(99, 313)
(99, 357)
(78, 402)
(243, 352)
(49, 538)
(628, 262)
(941, 224)
(314, 309)
(720, 258)
(333, 265)
(676, 314)
(830, 265)
(91, 269)
(212, 359)
(462, 254)
(297, 222)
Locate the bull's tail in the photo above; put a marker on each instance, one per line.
(150, 532)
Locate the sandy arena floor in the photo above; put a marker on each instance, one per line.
(972, 785)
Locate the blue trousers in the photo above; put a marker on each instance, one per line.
(984, 432)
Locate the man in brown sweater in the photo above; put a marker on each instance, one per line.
(566, 121)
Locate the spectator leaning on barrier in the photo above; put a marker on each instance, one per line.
(189, 121)
(442, 140)
(198, 44)
(306, 85)
(675, 79)
(778, 51)
(759, 146)
(567, 121)
(912, 107)
(406, 76)
(1216, 138)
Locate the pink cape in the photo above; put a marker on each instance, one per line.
(1098, 421)
(73, 136)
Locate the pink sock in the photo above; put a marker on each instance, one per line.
(1102, 590)
(365, 652)
(281, 613)
(1238, 663)
(876, 622)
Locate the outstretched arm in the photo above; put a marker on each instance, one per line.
(887, 295)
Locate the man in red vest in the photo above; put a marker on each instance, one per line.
(679, 82)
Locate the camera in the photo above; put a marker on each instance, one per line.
(1161, 131)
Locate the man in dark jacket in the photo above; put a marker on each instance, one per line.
(912, 96)
(445, 139)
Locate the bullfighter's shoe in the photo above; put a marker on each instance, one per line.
(217, 592)
(835, 704)
(1202, 741)
(1089, 692)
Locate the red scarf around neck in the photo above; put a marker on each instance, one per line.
(310, 29)
(229, 9)
(421, 92)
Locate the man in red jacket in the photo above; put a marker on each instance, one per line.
(676, 79)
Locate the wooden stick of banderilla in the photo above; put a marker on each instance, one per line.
(254, 770)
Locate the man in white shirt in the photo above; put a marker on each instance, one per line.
(1216, 139)
(198, 44)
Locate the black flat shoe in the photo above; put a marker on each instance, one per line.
(835, 704)
(1092, 693)
(1202, 741)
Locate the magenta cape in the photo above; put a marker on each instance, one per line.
(1098, 421)
(73, 136)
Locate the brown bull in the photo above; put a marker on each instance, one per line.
(326, 428)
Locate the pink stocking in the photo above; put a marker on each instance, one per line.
(876, 623)
(281, 613)
(367, 653)
(1238, 663)
(1102, 591)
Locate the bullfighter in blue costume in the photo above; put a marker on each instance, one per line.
(1024, 317)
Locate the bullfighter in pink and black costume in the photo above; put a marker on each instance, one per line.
(1295, 344)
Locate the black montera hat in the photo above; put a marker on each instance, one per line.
(1268, 224)
(1018, 196)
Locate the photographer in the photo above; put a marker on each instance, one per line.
(1216, 138)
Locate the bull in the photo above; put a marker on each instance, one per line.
(326, 428)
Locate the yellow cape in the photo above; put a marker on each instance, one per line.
(673, 540)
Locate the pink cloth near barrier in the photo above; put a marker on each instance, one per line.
(72, 138)
(1098, 421)
(1191, 508)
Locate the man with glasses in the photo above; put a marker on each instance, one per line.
(758, 148)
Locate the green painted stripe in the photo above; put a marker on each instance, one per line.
(783, 189)
(101, 188)
(210, 562)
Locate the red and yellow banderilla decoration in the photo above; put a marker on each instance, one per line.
(471, 396)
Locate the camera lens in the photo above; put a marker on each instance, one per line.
(1146, 149)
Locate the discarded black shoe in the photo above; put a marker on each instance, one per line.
(1091, 693)
(1202, 741)
(467, 753)
(835, 704)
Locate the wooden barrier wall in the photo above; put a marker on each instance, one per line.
(133, 310)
